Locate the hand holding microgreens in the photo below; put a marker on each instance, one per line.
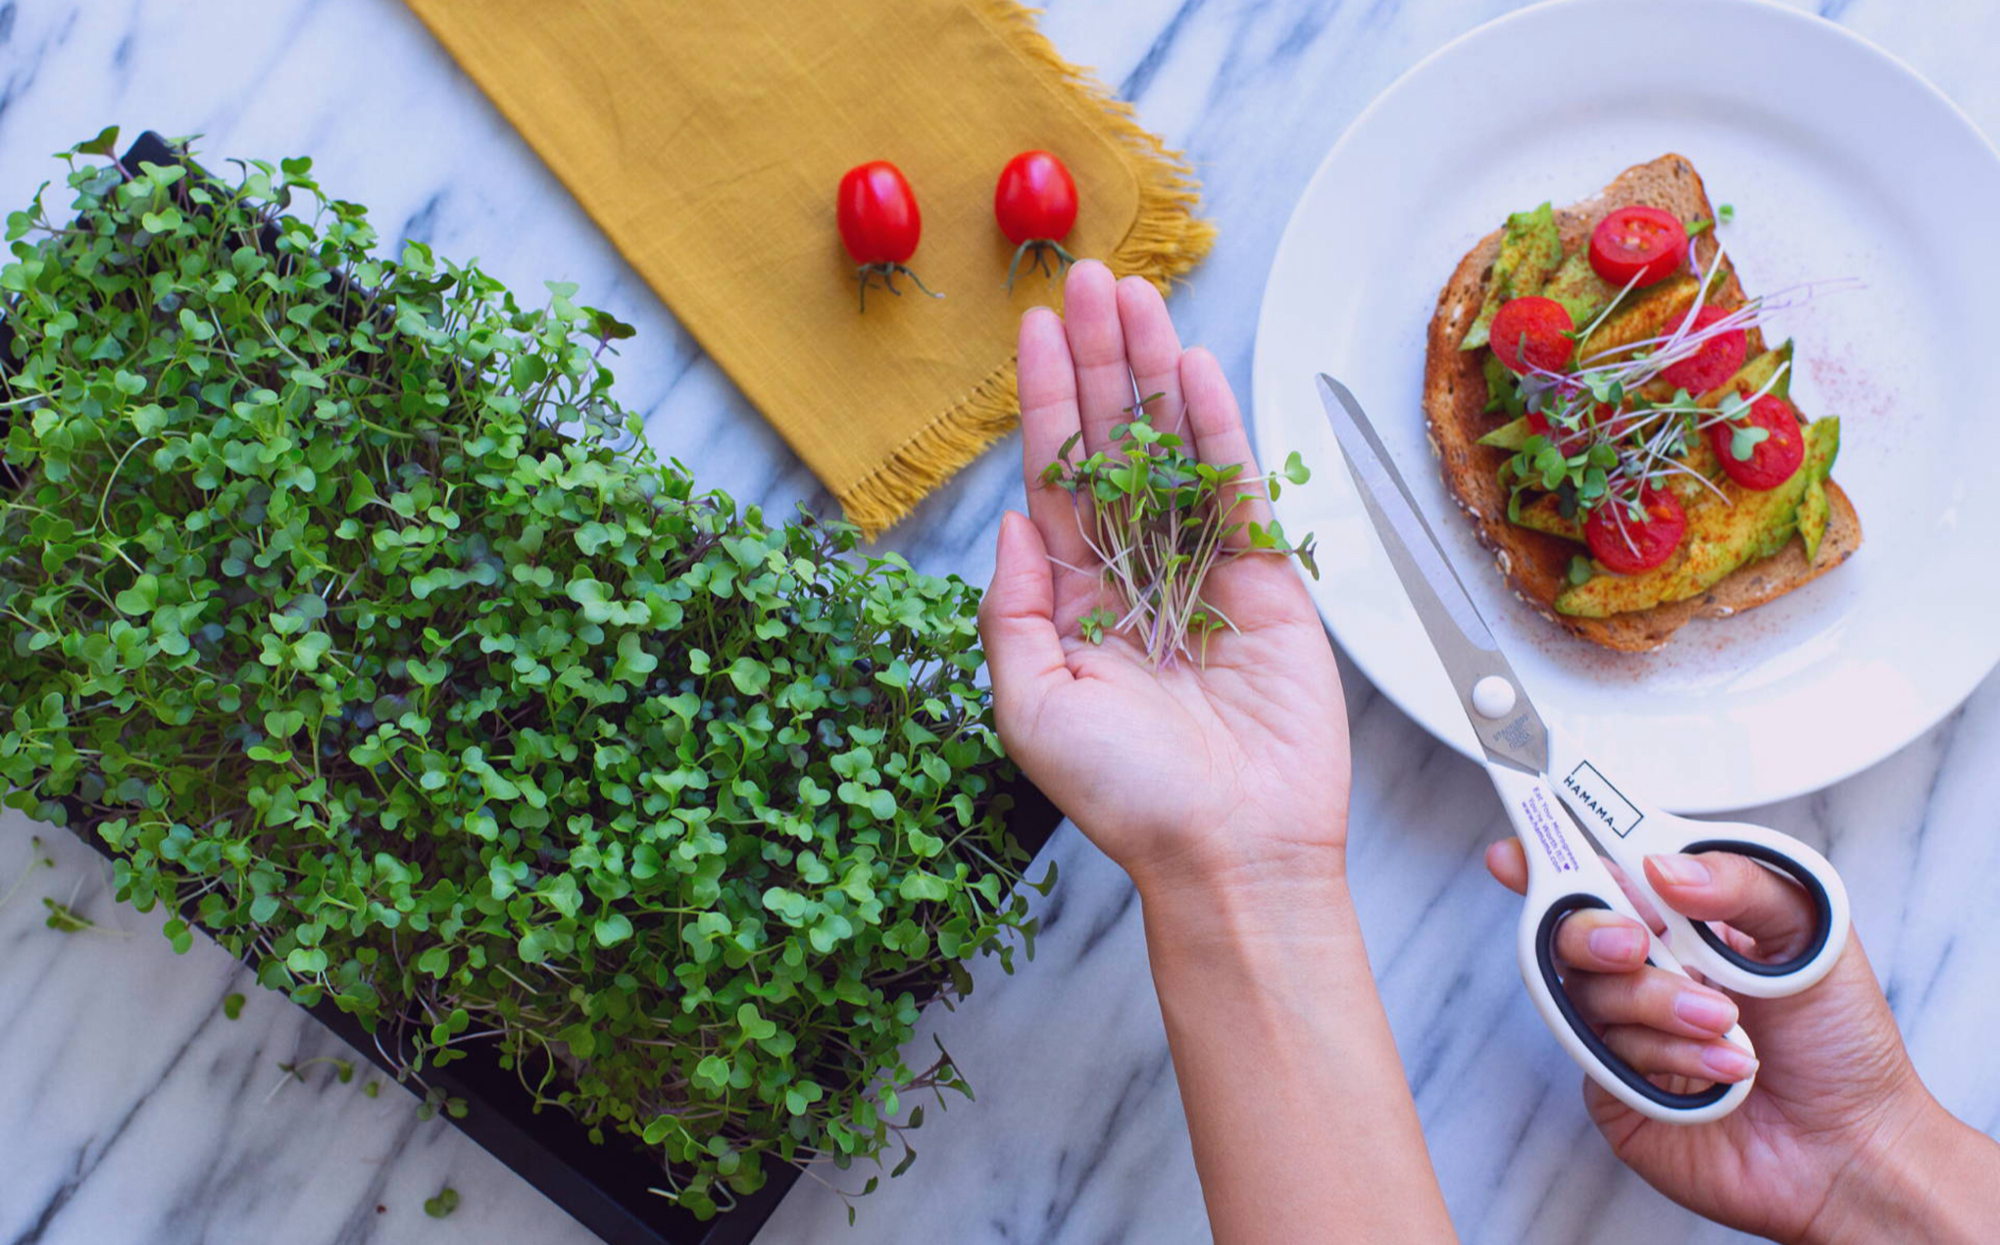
(1157, 520)
(1236, 745)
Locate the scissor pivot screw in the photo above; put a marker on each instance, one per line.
(1493, 697)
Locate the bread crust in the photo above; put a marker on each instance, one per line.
(1537, 564)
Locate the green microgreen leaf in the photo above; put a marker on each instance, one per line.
(1743, 441)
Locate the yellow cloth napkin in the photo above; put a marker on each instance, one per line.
(706, 139)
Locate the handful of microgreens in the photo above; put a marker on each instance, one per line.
(1159, 520)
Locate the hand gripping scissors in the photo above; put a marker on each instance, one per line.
(1539, 774)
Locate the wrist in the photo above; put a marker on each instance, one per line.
(1240, 889)
(1930, 1178)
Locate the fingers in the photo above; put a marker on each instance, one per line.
(1601, 942)
(1662, 1023)
(1097, 344)
(1219, 438)
(1508, 864)
(1017, 628)
(1047, 386)
(1594, 939)
(1153, 351)
(1722, 886)
(1652, 997)
(1654, 1053)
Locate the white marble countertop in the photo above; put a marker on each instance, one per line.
(132, 1110)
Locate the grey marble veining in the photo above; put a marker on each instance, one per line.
(132, 1110)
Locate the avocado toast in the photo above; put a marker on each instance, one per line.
(1607, 412)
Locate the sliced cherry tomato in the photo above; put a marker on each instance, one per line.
(1532, 332)
(1034, 203)
(1715, 362)
(879, 224)
(1637, 240)
(1773, 459)
(1627, 545)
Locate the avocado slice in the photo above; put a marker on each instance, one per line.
(1814, 509)
(1576, 285)
(1720, 537)
(1529, 251)
(1754, 375)
(1544, 514)
(1510, 436)
(1648, 313)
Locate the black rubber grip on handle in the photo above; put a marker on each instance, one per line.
(1815, 894)
(1545, 960)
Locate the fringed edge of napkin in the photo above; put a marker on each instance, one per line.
(1165, 241)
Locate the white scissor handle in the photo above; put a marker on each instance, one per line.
(1629, 829)
(1565, 876)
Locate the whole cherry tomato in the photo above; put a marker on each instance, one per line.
(1034, 203)
(1640, 241)
(1532, 333)
(1627, 544)
(1774, 457)
(879, 225)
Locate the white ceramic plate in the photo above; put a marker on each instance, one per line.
(1840, 162)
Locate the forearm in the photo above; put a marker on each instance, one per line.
(1302, 1124)
(1937, 1181)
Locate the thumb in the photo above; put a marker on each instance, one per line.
(1017, 626)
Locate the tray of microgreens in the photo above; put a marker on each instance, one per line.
(350, 616)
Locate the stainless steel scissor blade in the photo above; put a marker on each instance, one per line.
(1464, 643)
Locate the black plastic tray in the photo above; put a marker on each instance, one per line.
(603, 1187)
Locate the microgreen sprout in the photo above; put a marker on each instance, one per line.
(37, 859)
(1159, 520)
(440, 1206)
(64, 919)
(1091, 626)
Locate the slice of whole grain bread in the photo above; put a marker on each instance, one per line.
(1537, 564)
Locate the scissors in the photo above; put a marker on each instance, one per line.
(1538, 774)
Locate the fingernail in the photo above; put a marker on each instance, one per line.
(1727, 1063)
(1705, 1011)
(1617, 943)
(1682, 870)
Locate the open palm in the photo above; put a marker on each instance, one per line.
(1238, 761)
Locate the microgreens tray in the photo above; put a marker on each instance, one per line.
(613, 1187)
